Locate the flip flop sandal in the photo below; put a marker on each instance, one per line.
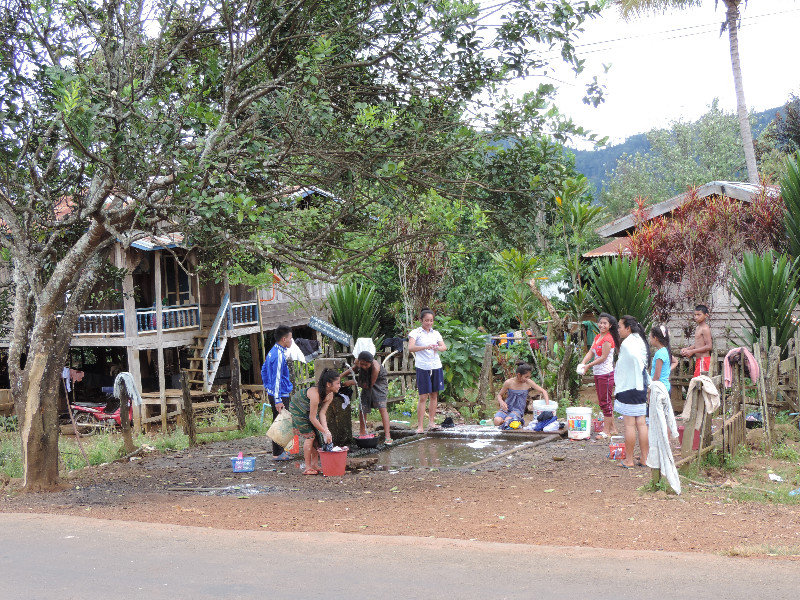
(311, 472)
(624, 466)
(283, 457)
(434, 428)
(388, 442)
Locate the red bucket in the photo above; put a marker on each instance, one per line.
(333, 463)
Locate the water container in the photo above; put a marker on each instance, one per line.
(333, 463)
(579, 422)
(540, 406)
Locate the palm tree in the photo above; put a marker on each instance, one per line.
(731, 23)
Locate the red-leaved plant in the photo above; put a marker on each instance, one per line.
(690, 251)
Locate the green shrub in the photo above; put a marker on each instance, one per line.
(766, 287)
(464, 357)
(619, 288)
(354, 309)
(790, 191)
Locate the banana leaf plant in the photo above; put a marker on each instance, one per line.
(620, 288)
(354, 309)
(766, 287)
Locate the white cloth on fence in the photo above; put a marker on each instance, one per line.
(126, 379)
(363, 344)
(65, 377)
(710, 396)
(661, 427)
(294, 353)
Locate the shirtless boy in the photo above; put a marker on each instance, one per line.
(701, 349)
(516, 390)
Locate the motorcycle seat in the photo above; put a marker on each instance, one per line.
(89, 404)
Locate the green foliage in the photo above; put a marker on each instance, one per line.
(619, 287)
(518, 269)
(766, 287)
(464, 356)
(790, 190)
(355, 310)
(786, 452)
(477, 294)
(685, 154)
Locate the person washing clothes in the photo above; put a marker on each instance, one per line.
(373, 380)
(630, 377)
(277, 381)
(426, 343)
(309, 415)
(516, 389)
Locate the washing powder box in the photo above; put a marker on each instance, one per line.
(616, 449)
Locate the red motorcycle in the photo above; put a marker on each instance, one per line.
(89, 416)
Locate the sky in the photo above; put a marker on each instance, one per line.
(670, 67)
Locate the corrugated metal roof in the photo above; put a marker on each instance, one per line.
(159, 242)
(613, 248)
(733, 189)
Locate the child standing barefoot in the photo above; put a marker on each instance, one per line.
(426, 343)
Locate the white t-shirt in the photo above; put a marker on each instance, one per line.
(426, 359)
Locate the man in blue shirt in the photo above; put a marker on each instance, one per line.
(277, 381)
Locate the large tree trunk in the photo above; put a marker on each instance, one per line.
(37, 355)
(732, 23)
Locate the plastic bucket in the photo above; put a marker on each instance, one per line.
(579, 422)
(333, 463)
(540, 406)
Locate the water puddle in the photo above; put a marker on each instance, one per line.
(443, 452)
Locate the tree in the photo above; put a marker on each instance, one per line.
(731, 24)
(683, 155)
(125, 119)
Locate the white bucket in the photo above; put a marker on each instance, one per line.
(540, 406)
(579, 423)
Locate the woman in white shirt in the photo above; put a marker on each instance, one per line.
(631, 380)
(426, 343)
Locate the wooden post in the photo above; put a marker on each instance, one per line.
(162, 395)
(486, 373)
(690, 425)
(188, 411)
(340, 420)
(124, 411)
(254, 355)
(236, 382)
(131, 330)
(261, 331)
(797, 369)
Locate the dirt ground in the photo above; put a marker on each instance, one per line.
(562, 493)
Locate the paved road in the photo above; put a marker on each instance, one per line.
(62, 558)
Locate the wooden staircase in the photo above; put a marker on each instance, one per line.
(207, 351)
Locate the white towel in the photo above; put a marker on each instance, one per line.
(661, 427)
(126, 379)
(363, 344)
(294, 353)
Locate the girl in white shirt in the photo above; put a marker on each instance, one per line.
(631, 380)
(426, 343)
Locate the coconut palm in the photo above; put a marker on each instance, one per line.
(731, 24)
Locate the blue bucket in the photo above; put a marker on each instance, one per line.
(243, 465)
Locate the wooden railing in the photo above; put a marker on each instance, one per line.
(244, 313)
(215, 343)
(172, 318)
(101, 322)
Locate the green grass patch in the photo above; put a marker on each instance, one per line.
(106, 447)
(786, 452)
